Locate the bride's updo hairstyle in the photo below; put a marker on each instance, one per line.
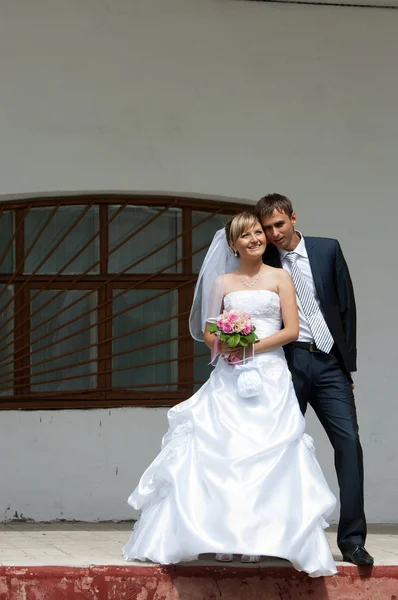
(238, 225)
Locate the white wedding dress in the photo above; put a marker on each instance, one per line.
(237, 475)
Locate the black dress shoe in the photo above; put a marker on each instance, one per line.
(358, 555)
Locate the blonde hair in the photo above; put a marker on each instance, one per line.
(239, 224)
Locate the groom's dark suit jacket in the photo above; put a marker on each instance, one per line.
(335, 292)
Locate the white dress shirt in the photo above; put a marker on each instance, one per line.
(303, 264)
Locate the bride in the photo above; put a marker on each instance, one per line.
(237, 474)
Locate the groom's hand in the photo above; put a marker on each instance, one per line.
(352, 383)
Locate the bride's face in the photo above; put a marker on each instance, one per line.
(251, 243)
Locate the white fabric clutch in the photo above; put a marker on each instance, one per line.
(249, 382)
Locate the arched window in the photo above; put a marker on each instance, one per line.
(95, 293)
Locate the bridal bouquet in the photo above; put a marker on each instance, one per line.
(236, 328)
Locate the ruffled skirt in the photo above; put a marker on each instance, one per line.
(236, 475)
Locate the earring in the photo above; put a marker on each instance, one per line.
(236, 254)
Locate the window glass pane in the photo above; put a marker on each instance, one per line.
(61, 366)
(203, 234)
(71, 245)
(6, 329)
(202, 369)
(154, 309)
(160, 231)
(6, 232)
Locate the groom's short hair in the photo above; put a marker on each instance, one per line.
(267, 204)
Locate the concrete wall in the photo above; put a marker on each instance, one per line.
(219, 97)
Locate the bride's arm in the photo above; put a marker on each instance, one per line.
(290, 332)
(209, 338)
(215, 307)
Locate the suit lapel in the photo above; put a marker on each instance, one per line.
(315, 268)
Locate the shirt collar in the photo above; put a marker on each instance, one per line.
(300, 249)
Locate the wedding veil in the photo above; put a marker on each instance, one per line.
(209, 289)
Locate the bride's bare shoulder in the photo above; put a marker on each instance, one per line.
(275, 271)
(230, 282)
(228, 277)
(276, 278)
(283, 275)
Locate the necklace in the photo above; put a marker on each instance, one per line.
(250, 285)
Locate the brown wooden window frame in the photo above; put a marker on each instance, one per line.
(104, 394)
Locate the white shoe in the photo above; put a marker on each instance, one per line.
(224, 557)
(250, 558)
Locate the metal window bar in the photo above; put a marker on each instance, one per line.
(71, 284)
(90, 360)
(22, 261)
(111, 317)
(70, 261)
(82, 330)
(94, 344)
(26, 282)
(107, 282)
(114, 370)
(110, 280)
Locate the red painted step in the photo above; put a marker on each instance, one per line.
(194, 583)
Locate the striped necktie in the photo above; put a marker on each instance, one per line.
(319, 329)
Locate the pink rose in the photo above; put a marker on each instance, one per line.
(226, 327)
(246, 330)
(233, 317)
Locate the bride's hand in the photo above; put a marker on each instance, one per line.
(239, 353)
(235, 355)
(226, 350)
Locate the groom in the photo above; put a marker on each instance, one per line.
(323, 358)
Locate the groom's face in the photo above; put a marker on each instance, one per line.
(279, 229)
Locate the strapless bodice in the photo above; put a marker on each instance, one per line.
(263, 306)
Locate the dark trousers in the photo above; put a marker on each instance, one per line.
(320, 381)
